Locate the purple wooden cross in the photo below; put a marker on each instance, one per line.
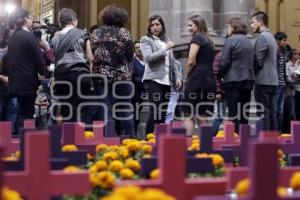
(73, 133)
(172, 163)
(229, 138)
(263, 175)
(206, 144)
(294, 146)
(110, 131)
(78, 157)
(58, 159)
(259, 126)
(37, 181)
(11, 144)
(242, 150)
(236, 174)
(29, 124)
(194, 165)
(1, 168)
(264, 163)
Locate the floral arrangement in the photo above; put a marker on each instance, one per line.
(8, 194)
(112, 163)
(136, 193)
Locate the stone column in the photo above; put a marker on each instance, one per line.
(176, 13)
(235, 8)
(166, 10)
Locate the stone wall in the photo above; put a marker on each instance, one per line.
(216, 12)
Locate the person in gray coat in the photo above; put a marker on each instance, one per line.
(266, 76)
(237, 71)
(160, 70)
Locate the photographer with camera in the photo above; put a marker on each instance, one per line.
(44, 46)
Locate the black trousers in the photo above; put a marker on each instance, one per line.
(74, 100)
(25, 110)
(237, 100)
(297, 105)
(136, 101)
(265, 94)
(158, 96)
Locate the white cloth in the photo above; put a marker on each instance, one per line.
(293, 74)
(166, 79)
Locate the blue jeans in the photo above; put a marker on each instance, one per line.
(117, 106)
(221, 110)
(8, 110)
(172, 106)
(278, 105)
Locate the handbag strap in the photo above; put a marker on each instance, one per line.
(67, 42)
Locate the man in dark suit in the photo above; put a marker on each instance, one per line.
(139, 68)
(25, 64)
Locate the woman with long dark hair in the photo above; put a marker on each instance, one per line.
(160, 70)
(200, 83)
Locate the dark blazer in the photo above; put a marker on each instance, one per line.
(24, 62)
(138, 71)
(237, 59)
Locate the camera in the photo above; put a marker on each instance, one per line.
(50, 29)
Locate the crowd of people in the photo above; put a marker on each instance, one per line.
(103, 75)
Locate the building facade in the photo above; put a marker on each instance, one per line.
(284, 14)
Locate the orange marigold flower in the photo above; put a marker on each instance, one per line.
(152, 141)
(8, 194)
(282, 191)
(89, 134)
(108, 156)
(18, 154)
(101, 147)
(147, 156)
(280, 154)
(106, 180)
(89, 156)
(150, 136)
(126, 173)
(220, 134)
(134, 146)
(101, 165)
(71, 169)
(155, 174)
(133, 165)
(201, 155)
(285, 135)
(69, 148)
(157, 194)
(194, 147)
(217, 160)
(295, 181)
(123, 152)
(116, 166)
(147, 149)
(242, 187)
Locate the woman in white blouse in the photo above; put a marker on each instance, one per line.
(160, 70)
